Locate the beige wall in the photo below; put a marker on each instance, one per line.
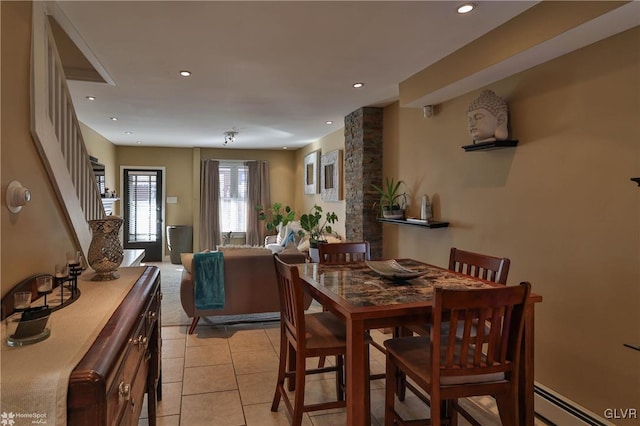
(38, 237)
(560, 205)
(177, 178)
(304, 202)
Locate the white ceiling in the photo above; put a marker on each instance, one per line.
(273, 71)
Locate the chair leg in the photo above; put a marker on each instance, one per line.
(367, 383)
(508, 409)
(390, 392)
(452, 414)
(298, 403)
(282, 368)
(340, 378)
(322, 359)
(194, 322)
(292, 366)
(436, 413)
(401, 377)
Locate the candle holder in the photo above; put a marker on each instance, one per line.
(44, 286)
(67, 278)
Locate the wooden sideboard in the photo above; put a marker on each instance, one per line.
(107, 386)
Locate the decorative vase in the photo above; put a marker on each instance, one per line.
(105, 251)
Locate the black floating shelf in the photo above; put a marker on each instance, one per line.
(636, 180)
(432, 224)
(487, 146)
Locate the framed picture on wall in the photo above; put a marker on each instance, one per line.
(311, 173)
(331, 175)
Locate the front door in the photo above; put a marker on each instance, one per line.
(142, 202)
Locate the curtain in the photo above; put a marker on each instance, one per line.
(209, 205)
(258, 193)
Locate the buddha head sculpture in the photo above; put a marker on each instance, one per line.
(487, 118)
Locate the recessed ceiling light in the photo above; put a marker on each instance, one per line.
(138, 142)
(358, 85)
(328, 122)
(91, 98)
(185, 73)
(284, 147)
(114, 118)
(128, 132)
(466, 8)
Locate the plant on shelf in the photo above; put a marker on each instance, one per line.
(275, 215)
(392, 201)
(314, 225)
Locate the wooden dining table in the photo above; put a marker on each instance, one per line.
(365, 300)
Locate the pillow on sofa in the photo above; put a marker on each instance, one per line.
(285, 231)
(291, 237)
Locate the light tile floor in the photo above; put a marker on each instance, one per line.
(226, 375)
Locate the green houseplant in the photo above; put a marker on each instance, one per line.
(276, 215)
(315, 225)
(392, 201)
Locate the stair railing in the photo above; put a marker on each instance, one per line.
(57, 134)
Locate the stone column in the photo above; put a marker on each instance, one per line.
(363, 166)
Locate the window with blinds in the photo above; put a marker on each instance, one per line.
(233, 197)
(142, 206)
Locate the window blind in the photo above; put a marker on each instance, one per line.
(233, 197)
(141, 208)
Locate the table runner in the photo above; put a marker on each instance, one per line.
(34, 379)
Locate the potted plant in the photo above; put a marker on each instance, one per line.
(316, 227)
(392, 202)
(275, 216)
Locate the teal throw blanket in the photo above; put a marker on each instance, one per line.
(208, 271)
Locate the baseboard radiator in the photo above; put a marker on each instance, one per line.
(558, 410)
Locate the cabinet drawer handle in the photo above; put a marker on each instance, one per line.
(124, 391)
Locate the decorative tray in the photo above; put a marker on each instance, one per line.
(392, 270)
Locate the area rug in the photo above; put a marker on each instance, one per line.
(172, 312)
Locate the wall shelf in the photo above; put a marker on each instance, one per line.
(432, 224)
(487, 146)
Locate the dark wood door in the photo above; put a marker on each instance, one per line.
(142, 201)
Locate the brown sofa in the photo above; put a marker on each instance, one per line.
(250, 284)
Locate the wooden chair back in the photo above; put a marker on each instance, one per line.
(457, 358)
(340, 253)
(489, 268)
(291, 299)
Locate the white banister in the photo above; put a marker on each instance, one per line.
(56, 130)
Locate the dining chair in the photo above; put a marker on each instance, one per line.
(478, 265)
(341, 254)
(306, 335)
(448, 366)
(486, 267)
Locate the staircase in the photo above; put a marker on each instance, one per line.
(56, 131)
